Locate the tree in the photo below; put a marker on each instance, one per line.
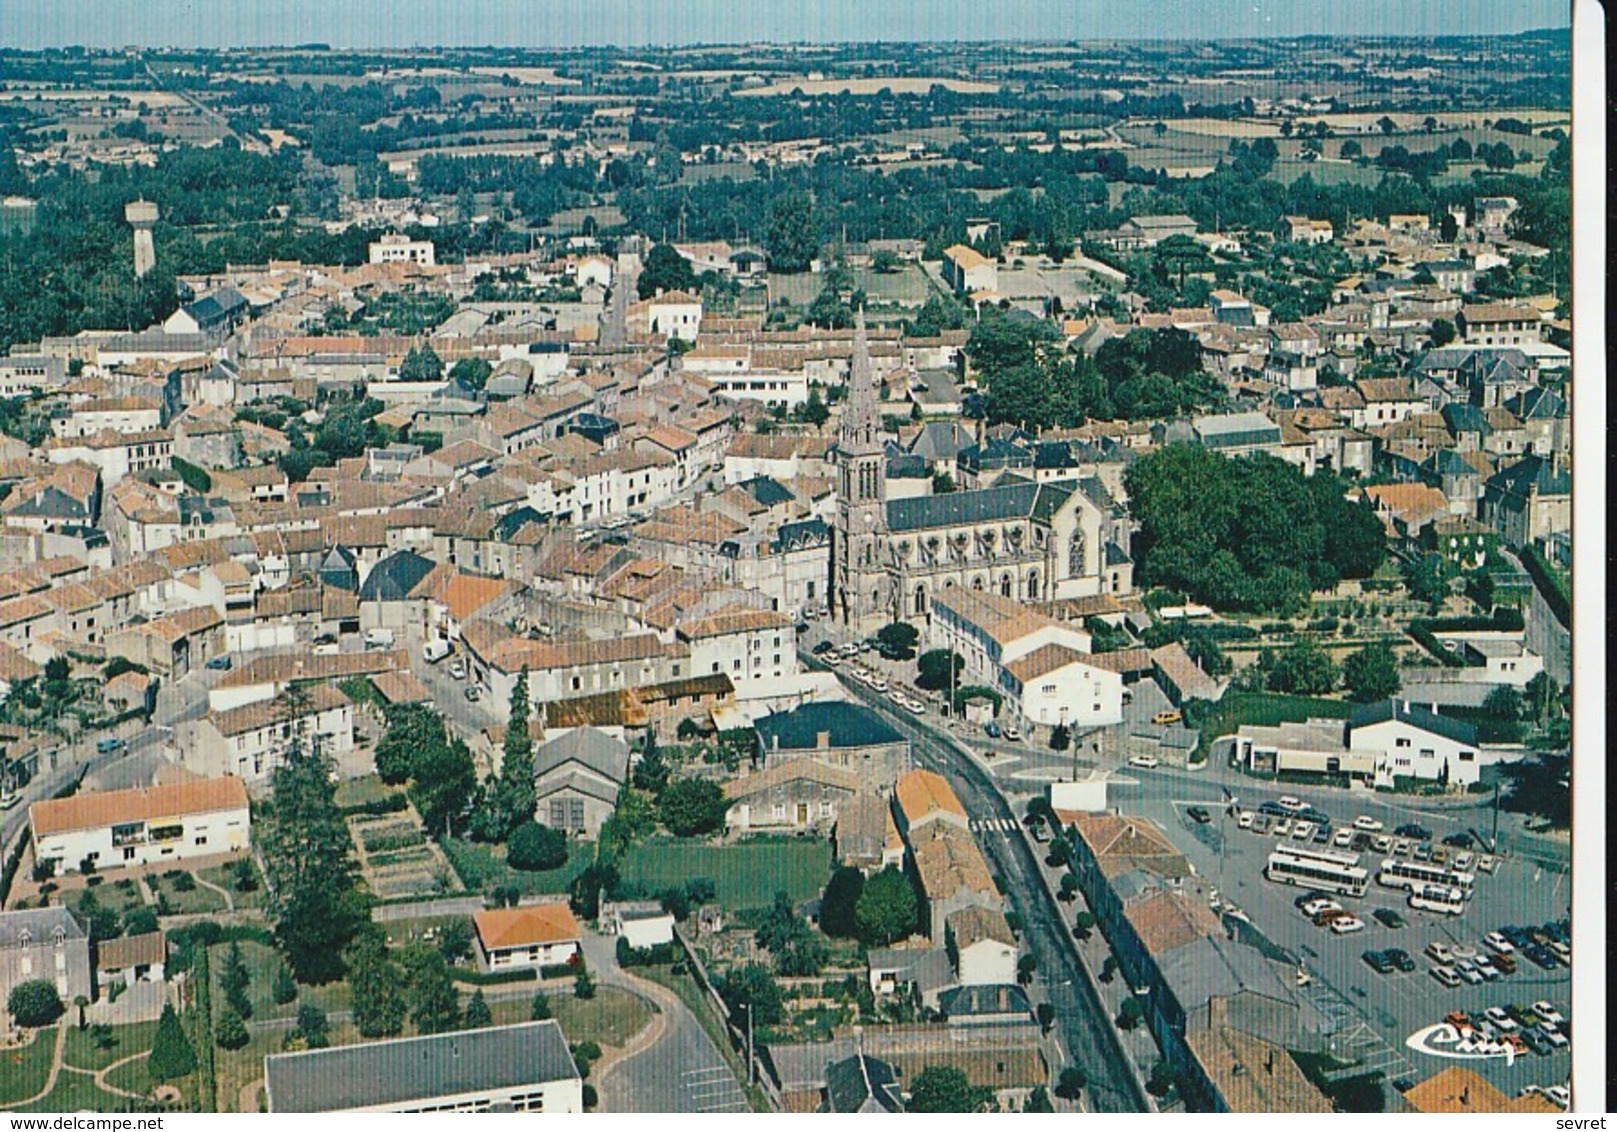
(1131, 1013)
(313, 1026)
(651, 771)
(235, 981)
(665, 270)
(471, 372)
(455, 940)
(284, 988)
(1071, 1082)
(937, 670)
(1025, 968)
(751, 988)
(412, 730)
(421, 365)
(1046, 1014)
(1504, 703)
(1161, 1081)
(1442, 332)
(1351, 149)
(477, 1012)
(1083, 924)
(34, 1003)
(792, 239)
(885, 262)
(376, 982)
(443, 780)
(692, 807)
(887, 909)
(814, 411)
(1303, 669)
(172, 1055)
(1039, 1100)
(1371, 673)
(943, 1088)
(898, 640)
(828, 311)
(315, 907)
(536, 847)
(539, 1010)
(434, 1006)
(1060, 737)
(230, 1031)
(513, 796)
(583, 985)
(1426, 580)
(838, 916)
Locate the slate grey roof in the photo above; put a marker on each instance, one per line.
(961, 508)
(1537, 404)
(590, 787)
(1415, 715)
(589, 747)
(1212, 967)
(940, 440)
(1534, 471)
(766, 491)
(997, 1000)
(809, 532)
(337, 569)
(849, 725)
(395, 576)
(39, 923)
(928, 969)
(408, 1071)
(861, 1084)
(1461, 417)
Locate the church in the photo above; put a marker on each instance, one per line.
(1028, 541)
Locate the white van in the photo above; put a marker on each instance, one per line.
(434, 651)
(379, 638)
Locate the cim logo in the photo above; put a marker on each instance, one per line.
(1448, 1040)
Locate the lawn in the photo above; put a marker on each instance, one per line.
(197, 900)
(1263, 709)
(365, 789)
(482, 867)
(120, 896)
(611, 1018)
(745, 874)
(262, 963)
(23, 1071)
(225, 877)
(78, 1092)
(82, 1053)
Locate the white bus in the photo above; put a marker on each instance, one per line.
(1324, 869)
(1438, 898)
(1397, 873)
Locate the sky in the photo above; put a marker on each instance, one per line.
(572, 23)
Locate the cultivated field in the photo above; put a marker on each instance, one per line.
(869, 86)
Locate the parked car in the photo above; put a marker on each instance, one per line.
(1291, 804)
(1423, 852)
(1382, 844)
(1164, 718)
(1347, 924)
(1379, 962)
(1466, 971)
(1498, 942)
(1322, 836)
(1463, 862)
(1401, 847)
(1505, 964)
(1302, 831)
(1368, 824)
(1485, 968)
(1245, 820)
(1413, 831)
(1458, 840)
(457, 668)
(1313, 908)
(1440, 952)
(1260, 824)
(1283, 828)
(1559, 1094)
(108, 746)
(1501, 1018)
(1547, 1012)
(1342, 838)
(1199, 815)
(1147, 762)
(1400, 958)
(221, 663)
(1446, 976)
(1551, 1035)
(991, 729)
(1540, 957)
(1487, 864)
(1388, 917)
(1536, 1042)
(822, 648)
(1012, 735)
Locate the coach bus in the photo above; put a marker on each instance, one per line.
(1323, 869)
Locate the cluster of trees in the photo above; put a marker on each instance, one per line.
(417, 749)
(876, 911)
(1246, 534)
(414, 984)
(347, 429)
(797, 949)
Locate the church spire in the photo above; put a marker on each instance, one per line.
(860, 419)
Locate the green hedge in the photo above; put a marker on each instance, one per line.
(1422, 635)
(1555, 595)
(494, 978)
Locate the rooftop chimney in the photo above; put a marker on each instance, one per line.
(822, 741)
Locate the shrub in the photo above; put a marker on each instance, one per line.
(534, 847)
(172, 1055)
(34, 1003)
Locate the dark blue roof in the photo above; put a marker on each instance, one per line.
(808, 532)
(395, 576)
(766, 491)
(513, 521)
(959, 508)
(849, 725)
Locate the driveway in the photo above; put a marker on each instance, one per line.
(679, 1069)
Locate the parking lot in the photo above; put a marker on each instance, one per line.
(1374, 1015)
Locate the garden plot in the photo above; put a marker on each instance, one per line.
(397, 859)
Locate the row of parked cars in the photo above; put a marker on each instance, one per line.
(1540, 1028)
(1329, 914)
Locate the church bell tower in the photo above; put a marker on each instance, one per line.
(860, 585)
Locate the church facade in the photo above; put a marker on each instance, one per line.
(1027, 541)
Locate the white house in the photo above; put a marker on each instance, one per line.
(982, 947)
(540, 935)
(397, 248)
(142, 826)
(1415, 742)
(968, 271)
(743, 643)
(1057, 684)
(672, 314)
(252, 741)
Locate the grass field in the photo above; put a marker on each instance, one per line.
(23, 1071)
(746, 874)
(82, 1053)
(611, 1018)
(199, 899)
(480, 868)
(225, 877)
(359, 791)
(262, 963)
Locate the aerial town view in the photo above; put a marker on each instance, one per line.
(787, 576)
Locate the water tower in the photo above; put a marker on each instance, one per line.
(142, 215)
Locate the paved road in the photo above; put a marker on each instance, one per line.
(1083, 1031)
(683, 1071)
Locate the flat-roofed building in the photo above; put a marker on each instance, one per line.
(522, 1068)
